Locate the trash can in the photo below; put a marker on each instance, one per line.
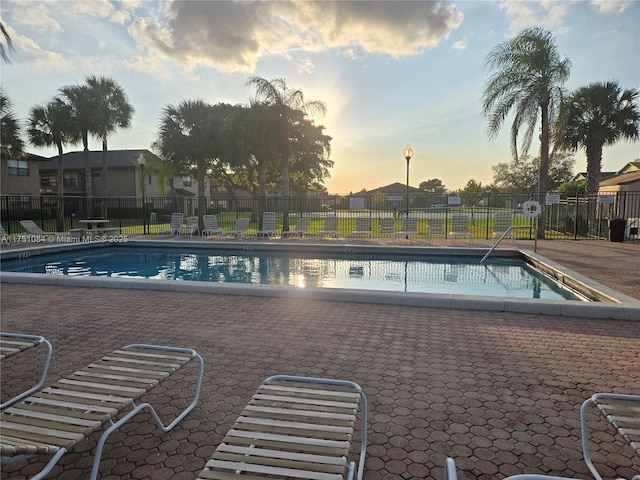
(616, 229)
(153, 218)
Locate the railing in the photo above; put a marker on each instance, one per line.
(571, 218)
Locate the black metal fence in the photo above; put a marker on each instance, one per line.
(578, 217)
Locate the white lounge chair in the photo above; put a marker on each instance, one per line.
(210, 226)
(330, 228)
(269, 228)
(459, 227)
(302, 228)
(363, 227)
(33, 229)
(434, 227)
(409, 228)
(239, 229)
(387, 226)
(175, 224)
(13, 343)
(450, 474)
(103, 394)
(294, 427)
(502, 223)
(192, 226)
(4, 238)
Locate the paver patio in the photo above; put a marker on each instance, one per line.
(499, 392)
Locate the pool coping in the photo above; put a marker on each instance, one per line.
(615, 305)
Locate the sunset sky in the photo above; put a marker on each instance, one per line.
(392, 73)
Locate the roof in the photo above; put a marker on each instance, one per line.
(184, 193)
(603, 175)
(622, 179)
(115, 159)
(396, 188)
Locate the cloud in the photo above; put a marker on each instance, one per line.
(461, 44)
(33, 14)
(612, 6)
(547, 13)
(233, 36)
(306, 66)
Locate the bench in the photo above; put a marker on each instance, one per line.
(621, 411)
(293, 427)
(54, 420)
(14, 343)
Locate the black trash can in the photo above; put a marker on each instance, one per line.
(616, 229)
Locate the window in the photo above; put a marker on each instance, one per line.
(18, 167)
(186, 181)
(71, 179)
(47, 180)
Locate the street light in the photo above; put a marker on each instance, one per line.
(142, 162)
(408, 153)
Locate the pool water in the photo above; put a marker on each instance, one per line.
(497, 277)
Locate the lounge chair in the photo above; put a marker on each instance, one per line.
(192, 226)
(239, 229)
(434, 227)
(363, 227)
(387, 226)
(54, 420)
(502, 223)
(459, 227)
(621, 411)
(175, 224)
(294, 427)
(33, 229)
(409, 228)
(302, 228)
(330, 228)
(269, 228)
(13, 343)
(4, 238)
(210, 226)
(450, 474)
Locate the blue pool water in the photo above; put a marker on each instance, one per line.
(498, 277)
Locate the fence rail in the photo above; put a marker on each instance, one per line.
(579, 217)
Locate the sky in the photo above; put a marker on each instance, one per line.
(391, 73)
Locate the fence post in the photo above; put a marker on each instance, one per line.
(575, 219)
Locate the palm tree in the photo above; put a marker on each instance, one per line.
(597, 115)
(83, 107)
(113, 111)
(4, 50)
(187, 139)
(286, 101)
(11, 144)
(527, 79)
(53, 124)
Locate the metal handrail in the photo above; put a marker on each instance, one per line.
(507, 231)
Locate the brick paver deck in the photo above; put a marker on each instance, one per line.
(499, 392)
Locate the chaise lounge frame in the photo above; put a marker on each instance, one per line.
(293, 427)
(13, 343)
(66, 413)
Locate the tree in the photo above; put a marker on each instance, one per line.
(11, 143)
(527, 79)
(286, 102)
(4, 49)
(472, 192)
(522, 176)
(597, 115)
(573, 188)
(433, 185)
(83, 110)
(113, 111)
(53, 124)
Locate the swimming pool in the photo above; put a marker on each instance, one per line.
(499, 277)
(332, 272)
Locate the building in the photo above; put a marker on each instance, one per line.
(20, 177)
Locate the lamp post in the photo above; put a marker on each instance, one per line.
(142, 163)
(408, 153)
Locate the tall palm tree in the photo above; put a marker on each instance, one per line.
(528, 74)
(4, 50)
(596, 115)
(113, 111)
(53, 124)
(11, 144)
(83, 108)
(286, 101)
(187, 139)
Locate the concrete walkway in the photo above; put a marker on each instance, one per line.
(499, 392)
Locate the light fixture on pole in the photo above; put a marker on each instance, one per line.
(408, 153)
